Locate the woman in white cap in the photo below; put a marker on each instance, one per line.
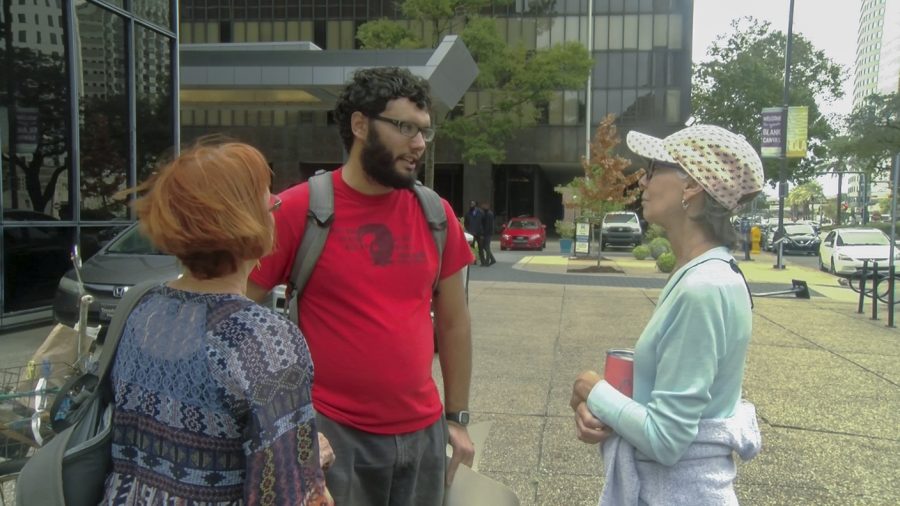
(673, 442)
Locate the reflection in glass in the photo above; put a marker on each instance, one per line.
(34, 109)
(34, 258)
(156, 11)
(155, 135)
(103, 122)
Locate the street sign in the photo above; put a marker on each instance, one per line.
(770, 138)
(798, 120)
(773, 128)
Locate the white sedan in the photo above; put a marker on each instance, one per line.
(844, 249)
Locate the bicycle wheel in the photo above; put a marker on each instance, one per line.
(856, 284)
(884, 288)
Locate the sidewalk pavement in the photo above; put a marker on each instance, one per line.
(824, 380)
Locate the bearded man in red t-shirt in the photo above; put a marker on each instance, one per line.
(365, 310)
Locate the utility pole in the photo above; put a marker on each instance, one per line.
(840, 202)
(785, 103)
(587, 91)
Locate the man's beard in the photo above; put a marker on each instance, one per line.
(379, 164)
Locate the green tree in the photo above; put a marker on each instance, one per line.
(884, 205)
(746, 74)
(828, 210)
(873, 135)
(802, 197)
(513, 83)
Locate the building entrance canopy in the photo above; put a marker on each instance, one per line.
(304, 76)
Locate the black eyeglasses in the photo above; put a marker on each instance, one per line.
(658, 164)
(408, 129)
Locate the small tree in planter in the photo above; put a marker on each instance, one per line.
(607, 185)
(566, 231)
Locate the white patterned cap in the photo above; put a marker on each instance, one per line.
(723, 163)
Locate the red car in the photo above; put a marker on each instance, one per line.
(523, 233)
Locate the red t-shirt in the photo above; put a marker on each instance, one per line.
(365, 311)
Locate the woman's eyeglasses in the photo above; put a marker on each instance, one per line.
(274, 203)
(657, 164)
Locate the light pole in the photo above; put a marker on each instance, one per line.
(782, 185)
(587, 91)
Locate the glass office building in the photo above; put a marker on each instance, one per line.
(88, 103)
(642, 73)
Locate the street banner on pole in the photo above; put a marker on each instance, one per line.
(798, 121)
(770, 139)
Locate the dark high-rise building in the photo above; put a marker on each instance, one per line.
(642, 66)
(88, 102)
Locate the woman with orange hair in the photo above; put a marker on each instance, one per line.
(212, 391)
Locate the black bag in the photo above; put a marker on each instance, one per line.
(71, 469)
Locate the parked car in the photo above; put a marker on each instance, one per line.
(620, 228)
(523, 233)
(844, 249)
(800, 238)
(125, 261)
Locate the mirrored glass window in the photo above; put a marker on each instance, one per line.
(153, 91)
(103, 119)
(156, 11)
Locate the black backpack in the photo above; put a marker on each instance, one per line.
(318, 223)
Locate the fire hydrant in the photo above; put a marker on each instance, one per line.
(755, 238)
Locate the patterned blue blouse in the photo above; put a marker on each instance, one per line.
(213, 405)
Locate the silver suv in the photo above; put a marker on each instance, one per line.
(621, 228)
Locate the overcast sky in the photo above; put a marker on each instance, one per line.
(831, 26)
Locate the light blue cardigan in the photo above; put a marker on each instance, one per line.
(688, 363)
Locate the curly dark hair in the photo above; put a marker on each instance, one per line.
(371, 89)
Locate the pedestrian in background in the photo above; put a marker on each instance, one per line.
(474, 223)
(366, 310)
(212, 392)
(672, 443)
(487, 232)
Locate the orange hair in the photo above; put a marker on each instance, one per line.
(206, 207)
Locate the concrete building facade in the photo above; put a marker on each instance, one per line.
(877, 49)
(642, 72)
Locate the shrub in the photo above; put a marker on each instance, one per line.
(666, 262)
(654, 231)
(641, 252)
(659, 246)
(565, 229)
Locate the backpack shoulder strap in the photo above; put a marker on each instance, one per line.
(318, 222)
(437, 221)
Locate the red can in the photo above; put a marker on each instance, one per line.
(619, 370)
